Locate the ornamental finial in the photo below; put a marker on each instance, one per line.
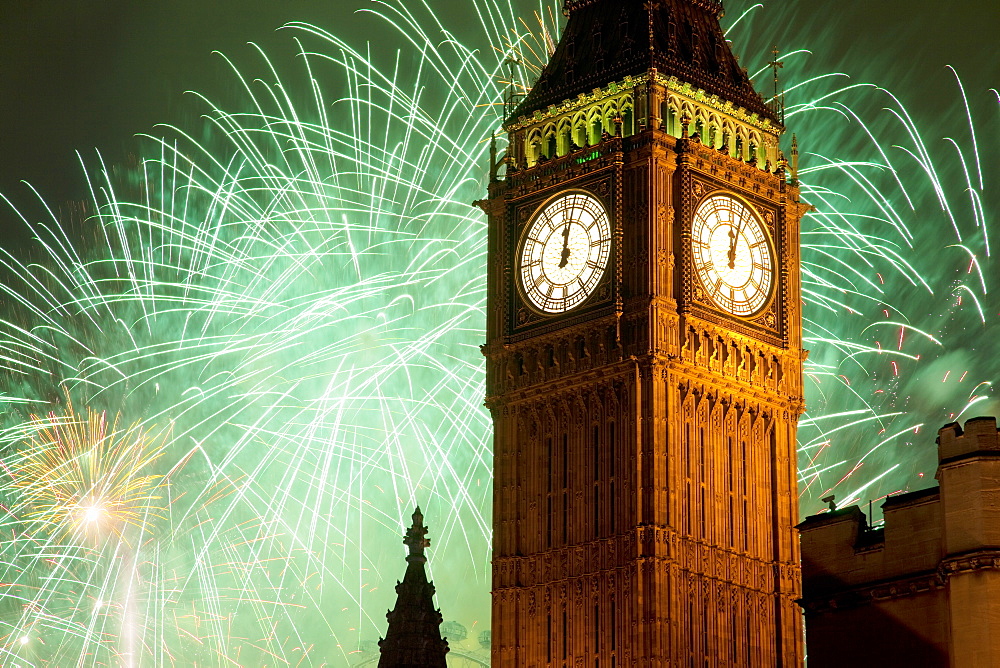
(416, 537)
(795, 160)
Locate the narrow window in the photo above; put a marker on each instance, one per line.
(704, 529)
(565, 488)
(732, 636)
(565, 517)
(565, 461)
(597, 483)
(747, 640)
(612, 454)
(596, 128)
(548, 521)
(597, 510)
(691, 632)
(743, 485)
(548, 639)
(597, 629)
(705, 640)
(549, 460)
(548, 500)
(565, 636)
(612, 508)
(597, 452)
(701, 480)
(614, 643)
(732, 491)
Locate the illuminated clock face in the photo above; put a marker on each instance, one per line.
(564, 253)
(732, 255)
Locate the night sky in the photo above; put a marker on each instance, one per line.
(90, 74)
(93, 73)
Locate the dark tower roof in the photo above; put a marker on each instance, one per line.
(413, 639)
(607, 40)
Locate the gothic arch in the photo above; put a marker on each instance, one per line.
(533, 146)
(595, 126)
(564, 135)
(579, 123)
(549, 149)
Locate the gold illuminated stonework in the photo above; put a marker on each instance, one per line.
(644, 439)
(581, 120)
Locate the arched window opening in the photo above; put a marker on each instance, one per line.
(580, 133)
(596, 128)
(565, 139)
(724, 143)
(668, 119)
(549, 148)
(609, 115)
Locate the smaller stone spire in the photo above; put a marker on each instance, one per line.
(413, 639)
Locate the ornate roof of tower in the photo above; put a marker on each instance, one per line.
(414, 636)
(607, 40)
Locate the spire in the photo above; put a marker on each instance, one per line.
(413, 639)
(607, 40)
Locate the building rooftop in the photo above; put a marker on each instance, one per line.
(607, 40)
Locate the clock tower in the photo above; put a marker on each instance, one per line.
(644, 355)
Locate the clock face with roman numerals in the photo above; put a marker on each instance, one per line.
(564, 252)
(732, 255)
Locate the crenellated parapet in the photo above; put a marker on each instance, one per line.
(979, 437)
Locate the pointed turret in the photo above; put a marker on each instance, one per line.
(608, 40)
(413, 639)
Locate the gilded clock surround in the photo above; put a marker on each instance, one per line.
(568, 265)
(738, 242)
(597, 181)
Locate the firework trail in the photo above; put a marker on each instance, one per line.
(300, 297)
(83, 475)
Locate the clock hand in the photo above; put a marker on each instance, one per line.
(565, 249)
(739, 230)
(732, 248)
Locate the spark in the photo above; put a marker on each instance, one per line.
(81, 473)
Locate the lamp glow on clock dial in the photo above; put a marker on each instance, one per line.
(732, 255)
(564, 252)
